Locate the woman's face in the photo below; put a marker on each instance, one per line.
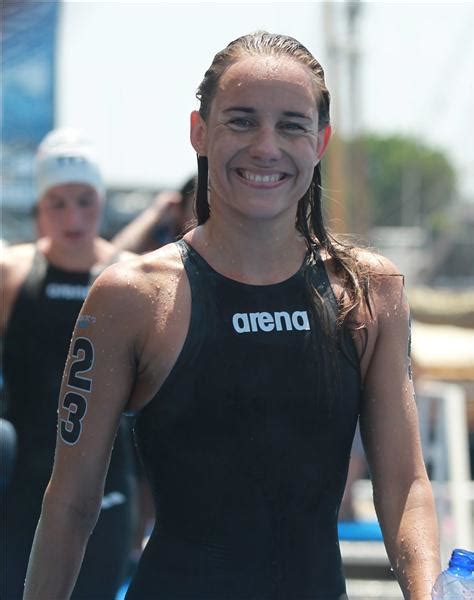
(261, 138)
(69, 214)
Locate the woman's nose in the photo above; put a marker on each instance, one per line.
(73, 214)
(265, 144)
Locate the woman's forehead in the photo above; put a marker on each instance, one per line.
(68, 191)
(266, 68)
(267, 77)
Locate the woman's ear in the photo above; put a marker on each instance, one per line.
(323, 141)
(198, 133)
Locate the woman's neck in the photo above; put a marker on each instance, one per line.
(80, 260)
(252, 252)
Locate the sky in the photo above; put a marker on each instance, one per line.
(128, 72)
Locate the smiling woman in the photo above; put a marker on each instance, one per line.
(256, 343)
(263, 125)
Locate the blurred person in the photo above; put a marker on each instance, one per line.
(256, 342)
(161, 223)
(43, 286)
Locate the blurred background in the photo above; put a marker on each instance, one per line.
(399, 175)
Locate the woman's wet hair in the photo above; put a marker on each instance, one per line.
(309, 217)
(262, 43)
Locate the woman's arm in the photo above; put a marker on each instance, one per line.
(15, 262)
(97, 384)
(389, 424)
(137, 236)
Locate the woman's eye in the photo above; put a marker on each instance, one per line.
(240, 122)
(291, 126)
(86, 201)
(57, 205)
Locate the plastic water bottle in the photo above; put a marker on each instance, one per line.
(457, 581)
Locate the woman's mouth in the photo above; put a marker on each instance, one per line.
(261, 179)
(73, 235)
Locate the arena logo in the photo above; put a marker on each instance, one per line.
(265, 321)
(66, 291)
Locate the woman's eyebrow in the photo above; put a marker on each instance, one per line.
(298, 115)
(245, 109)
(249, 110)
(55, 196)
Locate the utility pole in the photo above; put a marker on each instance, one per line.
(334, 190)
(357, 200)
(346, 174)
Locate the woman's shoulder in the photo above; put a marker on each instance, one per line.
(362, 265)
(17, 252)
(367, 283)
(385, 286)
(15, 262)
(374, 262)
(148, 275)
(382, 275)
(137, 299)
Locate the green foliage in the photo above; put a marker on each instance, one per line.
(407, 182)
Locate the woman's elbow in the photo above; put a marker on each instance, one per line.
(79, 510)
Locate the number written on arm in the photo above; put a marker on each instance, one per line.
(75, 404)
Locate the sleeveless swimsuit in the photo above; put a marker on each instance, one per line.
(245, 447)
(35, 348)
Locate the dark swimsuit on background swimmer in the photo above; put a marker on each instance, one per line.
(35, 349)
(246, 454)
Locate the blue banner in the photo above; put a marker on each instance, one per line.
(28, 55)
(28, 68)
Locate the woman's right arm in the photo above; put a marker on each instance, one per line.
(97, 385)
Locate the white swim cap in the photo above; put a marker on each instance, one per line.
(66, 156)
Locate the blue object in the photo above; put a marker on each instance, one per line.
(457, 581)
(362, 531)
(8, 451)
(123, 590)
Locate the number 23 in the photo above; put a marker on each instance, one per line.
(73, 402)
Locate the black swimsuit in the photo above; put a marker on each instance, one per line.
(35, 344)
(246, 451)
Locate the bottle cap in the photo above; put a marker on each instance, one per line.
(462, 559)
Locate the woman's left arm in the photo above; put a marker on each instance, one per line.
(403, 495)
